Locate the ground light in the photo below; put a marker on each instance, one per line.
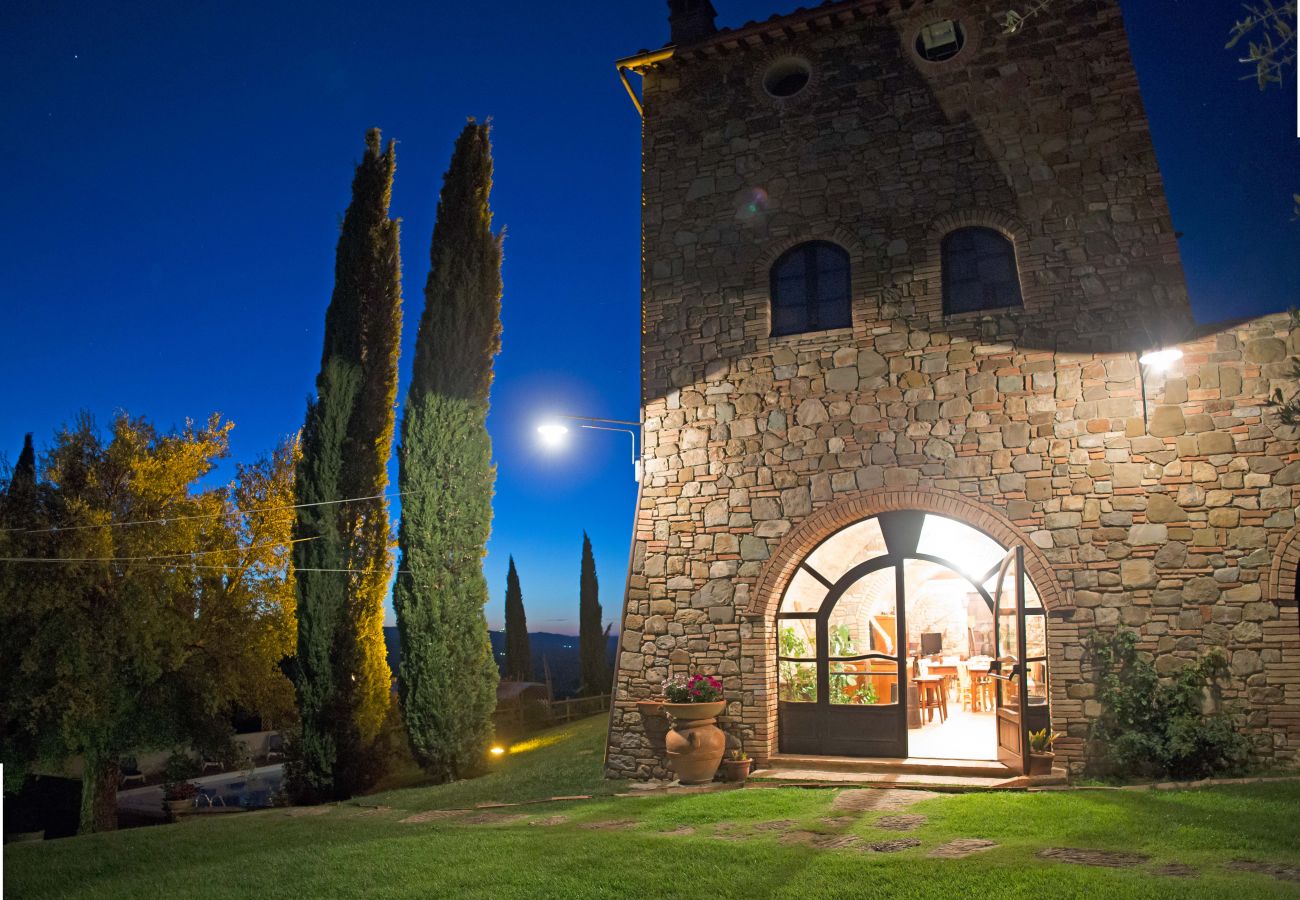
(497, 750)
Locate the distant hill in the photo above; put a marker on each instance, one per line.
(559, 650)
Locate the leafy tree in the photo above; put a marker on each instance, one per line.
(519, 659)
(129, 642)
(448, 676)
(592, 654)
(1269, 30)
(343, 681)
(255, 589)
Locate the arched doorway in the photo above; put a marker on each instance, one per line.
(911, 633)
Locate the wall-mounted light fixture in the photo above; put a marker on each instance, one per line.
(1157, 360)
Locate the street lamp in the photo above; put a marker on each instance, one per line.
(553, 432)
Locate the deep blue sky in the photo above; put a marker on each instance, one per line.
(175, 173)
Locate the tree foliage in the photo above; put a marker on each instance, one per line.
(139, 636)
(592, 655)
(342, 676)
(1268, 30)
(1149, 727)
(519, 657)
(448, 676)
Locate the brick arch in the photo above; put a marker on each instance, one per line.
(981, 217)
(837, 235)
(1282, 574)
(829, 519)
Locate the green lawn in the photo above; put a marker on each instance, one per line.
(354, 851)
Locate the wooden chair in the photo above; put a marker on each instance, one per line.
(932, 697)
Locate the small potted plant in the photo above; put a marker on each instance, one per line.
(1041, 756)
(735, 768)
(694, 744)
(178, 797)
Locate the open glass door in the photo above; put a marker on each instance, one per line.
(1011, 698)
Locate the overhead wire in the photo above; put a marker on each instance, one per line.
(153, 557)
(163, 520)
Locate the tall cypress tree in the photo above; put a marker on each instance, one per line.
(343, 680)
(19, 510)
(519, 657)
(594, 678)
(448, 676)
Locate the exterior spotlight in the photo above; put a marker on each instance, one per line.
(1160, 360)
(497, 750)
(552, 433)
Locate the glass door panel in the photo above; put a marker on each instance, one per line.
(1009, 636)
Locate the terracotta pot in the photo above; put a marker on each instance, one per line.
(695, 744)
(652, 707)
(1041, 763)
(178, 808)
(736, 770)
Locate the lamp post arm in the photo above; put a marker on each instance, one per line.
(595, 419)
(629, 432)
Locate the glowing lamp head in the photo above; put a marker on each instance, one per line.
(1160, 360)
(497, 750)
(552, 433)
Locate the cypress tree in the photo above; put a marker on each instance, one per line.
(343, 680)
(519, 658)
(594, 679)
(448, 676)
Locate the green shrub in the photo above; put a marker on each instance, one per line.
(1151, 727)
(180, 766)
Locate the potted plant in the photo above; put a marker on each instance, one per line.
(1041, 756)
(735, 768)
(694, 744)
(178, 797)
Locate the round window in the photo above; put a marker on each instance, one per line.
(787, 77)
(940, 41)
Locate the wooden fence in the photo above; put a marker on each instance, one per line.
(519, 718)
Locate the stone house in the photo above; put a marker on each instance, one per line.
(903, 277)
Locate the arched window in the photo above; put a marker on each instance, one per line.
(810, 289)
(979, 271)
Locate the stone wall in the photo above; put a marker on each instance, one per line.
(1028, 424)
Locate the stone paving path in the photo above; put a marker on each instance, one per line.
(432, 815)
(778, 825)
(851, 805)
(961, 847)
(895, 845)
(1111, 859)
(679, 831)
(869, 799)
(1280, 871)
(550, 820)
(611, 825)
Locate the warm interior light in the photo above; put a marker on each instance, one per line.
(497, 750)
(552, 433)
(1161, 359)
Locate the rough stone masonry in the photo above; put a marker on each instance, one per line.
(1027, 423)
